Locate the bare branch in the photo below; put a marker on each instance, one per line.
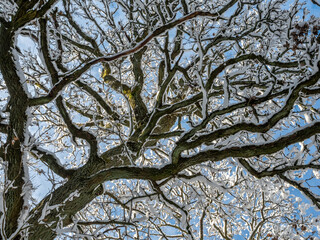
(52, 162)
(77, 72)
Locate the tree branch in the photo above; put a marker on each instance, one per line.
(3, 128)
(4, 22)
(26, 13)
(207, 155)
(78, 29)
(52, 162)
(315, 2)
(244, 57)
(315, 200)
(104, 223)
(74, 130)
(271, 173)
(184, 143)
(77, 72)
(100, 100)
(87, 184)
(251, 150)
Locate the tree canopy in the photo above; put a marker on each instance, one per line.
(159, 119)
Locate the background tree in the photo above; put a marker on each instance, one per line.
(203, 122)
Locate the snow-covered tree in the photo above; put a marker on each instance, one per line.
(159, 119)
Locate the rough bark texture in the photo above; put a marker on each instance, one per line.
(16, 128)
(145, 125)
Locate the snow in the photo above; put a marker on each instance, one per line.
(72, 195)
(2, 210)
(200, 81)
(140, 219)
(8, 8)
(221, 122)
(47, 208)
(19, 69)
(207, 182)
(49, 153)
(263, 143)
(27, 186)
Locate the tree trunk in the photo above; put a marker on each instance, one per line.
(17, 107)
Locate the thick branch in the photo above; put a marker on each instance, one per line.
(52, 162)
(9, 67)
(3, 128)
(4, 22)
(74, 130)
(167, 110)
(184, 143)
(87, 184)
(27, 13)
(99, 99)
(251, 150)
(208, 155)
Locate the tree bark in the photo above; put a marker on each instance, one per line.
(17, 107)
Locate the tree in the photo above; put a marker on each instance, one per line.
(203, 122)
